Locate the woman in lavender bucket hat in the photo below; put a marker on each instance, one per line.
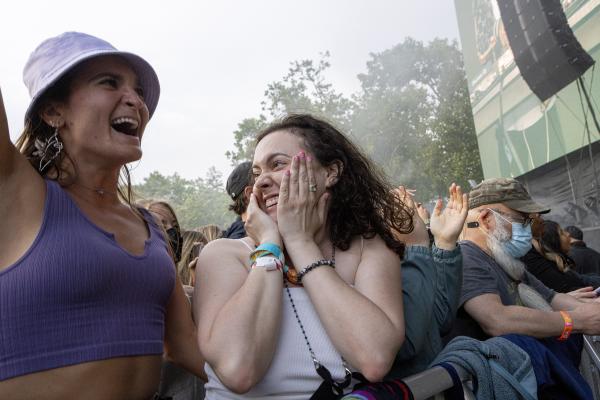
(89, 297)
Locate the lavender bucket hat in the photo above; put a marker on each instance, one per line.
(56, 56)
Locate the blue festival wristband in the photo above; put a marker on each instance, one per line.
(267, 248)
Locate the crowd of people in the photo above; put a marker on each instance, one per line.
(330, 283)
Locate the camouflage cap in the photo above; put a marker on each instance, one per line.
(507, 191)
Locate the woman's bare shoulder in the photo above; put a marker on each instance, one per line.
(376, 247)
(235, 245)
(225, 251)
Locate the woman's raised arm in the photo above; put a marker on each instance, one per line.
(14, 166)
(7, 149)
(21, 197)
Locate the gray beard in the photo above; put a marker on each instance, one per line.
(515, 268)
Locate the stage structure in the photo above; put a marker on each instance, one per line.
(553, 146)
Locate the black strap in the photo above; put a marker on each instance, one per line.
(456, 392)
(337, 386)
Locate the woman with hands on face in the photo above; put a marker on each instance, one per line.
(315, 289)
(431, 280)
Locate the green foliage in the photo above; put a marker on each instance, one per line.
(214, 179)
(196, 202)
(244, 139)
(302, 90)
(412, 114)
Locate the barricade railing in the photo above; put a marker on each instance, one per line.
(590, 363)
(431, 383)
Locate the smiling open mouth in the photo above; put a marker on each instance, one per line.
(126, 126)
(271, 202)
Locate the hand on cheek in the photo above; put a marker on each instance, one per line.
(300, 212)
(259, 225)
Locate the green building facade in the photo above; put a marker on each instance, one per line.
(552, 146)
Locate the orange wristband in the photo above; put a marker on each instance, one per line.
(568, 326)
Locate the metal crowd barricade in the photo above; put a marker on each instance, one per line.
(431, 383)
(590, 363)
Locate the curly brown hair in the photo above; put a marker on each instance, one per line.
(362, 201)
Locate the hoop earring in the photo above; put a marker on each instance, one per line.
(47, 150)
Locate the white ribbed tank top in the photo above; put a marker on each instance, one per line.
(292, 374)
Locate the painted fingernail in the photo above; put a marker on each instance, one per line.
(308, 158)
(288, 172)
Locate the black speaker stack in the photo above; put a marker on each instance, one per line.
(544, 46)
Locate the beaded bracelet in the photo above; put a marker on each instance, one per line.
(314, 265)
(568, 326)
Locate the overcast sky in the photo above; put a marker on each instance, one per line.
(215, 59)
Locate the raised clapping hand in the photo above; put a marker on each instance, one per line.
(419, 235)
(300, 211)
(423, 213)
(447, 224)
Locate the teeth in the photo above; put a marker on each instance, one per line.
(272, 201)
(125, 120)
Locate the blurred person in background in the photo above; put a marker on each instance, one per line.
(239, 188)
(167, 217)
(587, 260)
(193, 242)
(211, 232)
(548, 260)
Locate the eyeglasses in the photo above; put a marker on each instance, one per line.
(525, 221)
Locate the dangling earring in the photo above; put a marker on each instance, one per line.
(47, 150)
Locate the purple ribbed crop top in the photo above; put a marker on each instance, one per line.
(76, 296)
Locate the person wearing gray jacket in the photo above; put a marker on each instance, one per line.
(431, 283)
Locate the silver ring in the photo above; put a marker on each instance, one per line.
(312, 187)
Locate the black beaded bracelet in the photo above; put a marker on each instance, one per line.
(314, 265)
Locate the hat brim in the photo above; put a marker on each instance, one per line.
(526, 206)
(144, 71)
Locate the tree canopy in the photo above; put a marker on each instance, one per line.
(197, 202)
(412, 116)
(415, 118)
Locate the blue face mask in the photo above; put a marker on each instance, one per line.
(520, 242)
